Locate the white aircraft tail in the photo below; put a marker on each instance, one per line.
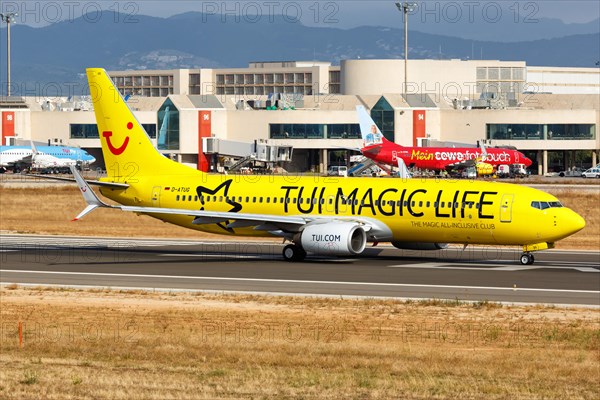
(369, 131)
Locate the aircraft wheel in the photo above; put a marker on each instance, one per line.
(527, 259)
(293, 252)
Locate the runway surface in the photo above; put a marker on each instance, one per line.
(476, 274)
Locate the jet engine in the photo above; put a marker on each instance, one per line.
(334, 239)
(419, 246)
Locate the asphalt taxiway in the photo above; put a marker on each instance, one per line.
(474, 274)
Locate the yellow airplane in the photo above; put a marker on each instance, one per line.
(318, 215)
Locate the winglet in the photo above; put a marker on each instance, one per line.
(402, 169)
(89, 196)
(33, 148)
(483, 151)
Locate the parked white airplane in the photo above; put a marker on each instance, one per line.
(17, 158)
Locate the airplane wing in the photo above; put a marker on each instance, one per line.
(472, 162)
(281, 225)
(110, 185)
(27, 160)
(462, 164)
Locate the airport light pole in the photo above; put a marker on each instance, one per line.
(406, 8)
(9, 18)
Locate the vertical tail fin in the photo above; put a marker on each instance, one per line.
(162, 133)
(369, 131)
(126, 147)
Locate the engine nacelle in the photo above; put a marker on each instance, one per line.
(419, 246)
(334, 239)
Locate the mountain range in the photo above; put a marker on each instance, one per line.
(52, 57)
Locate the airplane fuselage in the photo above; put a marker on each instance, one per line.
(47, 156)
(440, 158)
(414, 210)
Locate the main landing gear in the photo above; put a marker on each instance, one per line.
(293, 252)
(527, 259)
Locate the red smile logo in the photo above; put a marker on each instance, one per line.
(115, 150)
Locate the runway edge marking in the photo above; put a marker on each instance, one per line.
(212, 278)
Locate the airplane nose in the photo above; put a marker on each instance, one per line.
(573, 223)
(527, 161)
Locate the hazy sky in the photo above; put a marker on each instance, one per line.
(341, 14)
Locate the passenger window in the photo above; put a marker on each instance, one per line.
(300, 200)
(195, 198)
(177, 198)
(268, 199)
(420, 204)
(247, 199)
(190, 198)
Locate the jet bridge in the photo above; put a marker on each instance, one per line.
(245, 152)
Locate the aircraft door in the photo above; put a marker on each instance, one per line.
(506, 208)
(156, 196)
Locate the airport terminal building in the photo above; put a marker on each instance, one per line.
(209, 117)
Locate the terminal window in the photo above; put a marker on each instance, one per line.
(541, 131)
(90, 131)
(314, 131)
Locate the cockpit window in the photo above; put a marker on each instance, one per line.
(542, 205)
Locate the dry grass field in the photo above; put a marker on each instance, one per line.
(143, 345)
(49, 210)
